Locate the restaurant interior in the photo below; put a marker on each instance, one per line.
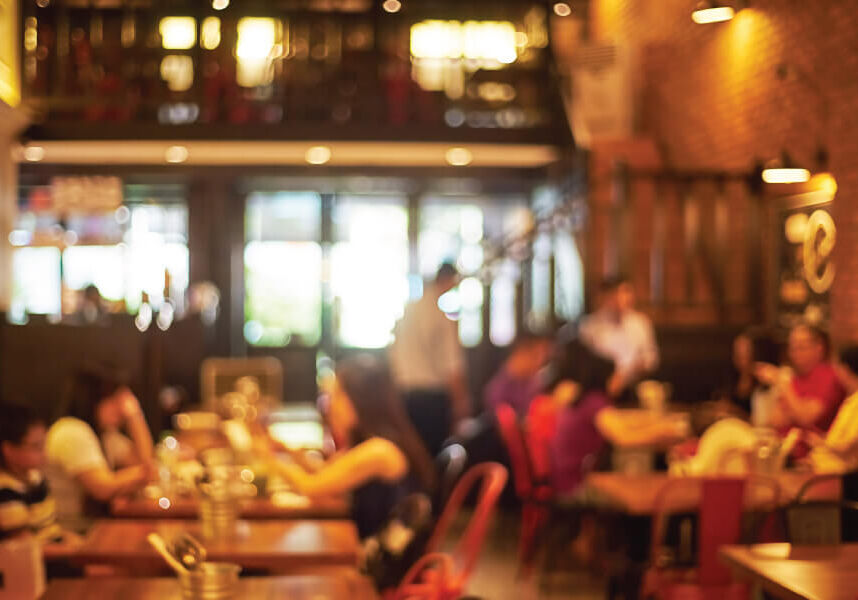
(428, 299)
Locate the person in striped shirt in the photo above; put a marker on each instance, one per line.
(26, 506)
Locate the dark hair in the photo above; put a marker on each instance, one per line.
(764, 346)
(579, 363)
(612, 282)
(15, 421)
(529, 338)
(91, 289)
(87, 387)
(367, 382)
(849, 357)
(447, 270)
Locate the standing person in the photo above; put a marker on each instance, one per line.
(620, 333)
(429, 365)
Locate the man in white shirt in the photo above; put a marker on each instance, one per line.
(428, 364)
(618, 332)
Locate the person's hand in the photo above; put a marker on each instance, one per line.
(565, 393)
(766, 373)
(129, 406)
(616, 384)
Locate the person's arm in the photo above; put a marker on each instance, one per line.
(639, 428)
(847, 378)
(802, 410)
(104, 484)
(374, 458)
(137, 428)
(649, 357)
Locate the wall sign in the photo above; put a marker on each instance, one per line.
(805, 268)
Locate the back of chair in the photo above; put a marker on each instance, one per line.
(451, 464)
(719, 504)
(817, 514)
(492, 478)
(513, 440)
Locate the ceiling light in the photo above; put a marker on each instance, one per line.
(459, 157)
(318, 155)
(220, 4)
(561, 9)
(176, 154)
(34, 153)
(210, 33)
(709, 12)
(392, 6)
(178, 33)
(784, 170)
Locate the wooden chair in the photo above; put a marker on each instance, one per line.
(719, 504)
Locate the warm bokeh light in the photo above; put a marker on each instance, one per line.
(220, 4)
(392, 6)
(561, 9)
(164, 502)
(178, 33)
(493, 41)
(34, 153)
(176, 154)
(459, 157)
(178, 71)
(318, 155)
(210, 33)
(825, 183)
(786, 175)
(714, 14)
(254, 48)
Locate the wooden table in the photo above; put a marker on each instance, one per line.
(636, 494)
(798, 572)
(294, 587)
(140, 507)
(283, 547)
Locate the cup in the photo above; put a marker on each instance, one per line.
(210, 581)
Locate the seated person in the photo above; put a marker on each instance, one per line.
(808, 397)
(517, 381)
(584, 419)
(89, 461)
(380, 458)
(26, 505)
(749, 348)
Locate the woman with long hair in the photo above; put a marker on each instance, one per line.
(89, 460)
(380, 458)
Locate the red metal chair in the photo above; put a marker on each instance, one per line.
(719, 504)
(443, 576)
(534, 495)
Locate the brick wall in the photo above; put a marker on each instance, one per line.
(710, 98)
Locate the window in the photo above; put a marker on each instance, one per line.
(283, 269)
(36, 282)
(458, 231)
(369, 269)
(139, 248)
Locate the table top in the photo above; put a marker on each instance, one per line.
(140, 507)
(311, 587)
(284, 546)
(798, 572)
(636, 494)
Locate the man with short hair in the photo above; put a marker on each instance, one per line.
(620, 333)
(517, 381)
(428, 363)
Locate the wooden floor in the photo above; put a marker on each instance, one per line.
(495, 577)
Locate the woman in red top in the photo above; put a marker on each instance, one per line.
(810, 396)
